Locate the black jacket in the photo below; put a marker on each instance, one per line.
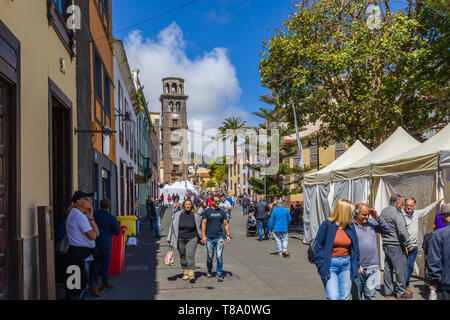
(262, 210)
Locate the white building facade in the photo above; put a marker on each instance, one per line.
(126, 148)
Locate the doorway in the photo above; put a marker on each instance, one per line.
(5, 158)
(61, 171)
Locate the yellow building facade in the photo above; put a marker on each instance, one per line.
(38, 149)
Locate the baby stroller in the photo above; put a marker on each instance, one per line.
(252, 228)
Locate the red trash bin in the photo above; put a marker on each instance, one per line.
(118, 253)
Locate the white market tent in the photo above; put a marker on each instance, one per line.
(180, 187)
(419, 173)
(318, 190)
(350, 178)
(354, 181)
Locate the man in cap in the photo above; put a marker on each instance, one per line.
(439, 257)
(81, 233)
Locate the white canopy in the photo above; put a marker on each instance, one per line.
(398, 143)
(429, 155)
(355, 152)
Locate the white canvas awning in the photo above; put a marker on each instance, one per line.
(398, 143)
(427, 156)
(355, 152)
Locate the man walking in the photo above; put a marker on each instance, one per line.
(107, 226)
(279, 225)
(157, 208)
(213, 223)
(439, 257)
(366, 227)
(262, 210)
(245, 203)
(412, 218)
(396, 246)
(226, 206)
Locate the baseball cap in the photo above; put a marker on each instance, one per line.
(445, 210)
(81, 194)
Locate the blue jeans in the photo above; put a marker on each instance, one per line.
(158, 224)
(339, 285)
(215, 244)
(87, 266)
(263, 223)
(105, 260)
(366, 284)
(411, 260)
(281, 237)
(245, 210)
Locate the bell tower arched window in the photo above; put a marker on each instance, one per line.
(178, 107)
(170, 106)
(174, 88)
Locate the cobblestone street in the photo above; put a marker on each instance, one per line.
(252, 272)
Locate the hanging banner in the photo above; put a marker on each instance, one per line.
(140, 179)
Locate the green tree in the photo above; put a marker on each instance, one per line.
(278, 184)
(211, 184)
(361, 83)
(218, 171)
(231, 128)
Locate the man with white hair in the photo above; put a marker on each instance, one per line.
(367, 223)
(412, 218)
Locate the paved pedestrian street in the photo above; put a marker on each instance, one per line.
(252, 272)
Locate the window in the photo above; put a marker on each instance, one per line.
(171, 106)
(178, 107)
(127, 130)
(174, 88)
(120, 95)
(98, 76)
(107, 104)
(340, 149)
(174, 122)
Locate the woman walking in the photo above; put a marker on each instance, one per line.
(184, 234)
(336, 253)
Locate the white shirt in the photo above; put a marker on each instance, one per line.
(412, 222)
(77, 225)
(225, 205)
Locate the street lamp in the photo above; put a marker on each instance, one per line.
(126, 117)
(309, 145)
(105, 131)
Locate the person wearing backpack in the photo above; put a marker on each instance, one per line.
(367, 223)
(336, 252)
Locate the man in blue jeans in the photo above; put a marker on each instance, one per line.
(279, 224)
(412, 218)
(214, 221)
(366, 229)
(107, 226)
(262, 210)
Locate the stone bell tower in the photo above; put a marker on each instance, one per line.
(174, 130)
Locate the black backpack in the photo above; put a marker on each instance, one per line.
(312, 245)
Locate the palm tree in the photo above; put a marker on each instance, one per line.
(230, 129)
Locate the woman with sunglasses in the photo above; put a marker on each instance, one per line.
(184, 234)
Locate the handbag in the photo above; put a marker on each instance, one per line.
(169, 260)
(63, 246)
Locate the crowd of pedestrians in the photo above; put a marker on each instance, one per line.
(346, 257)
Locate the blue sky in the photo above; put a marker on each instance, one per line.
(238, 26)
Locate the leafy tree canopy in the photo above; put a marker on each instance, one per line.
(360, 82)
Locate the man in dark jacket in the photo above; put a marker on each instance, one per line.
(108, 226)
(245, 202)
(439, 257)
(262, 216)
(396, 246)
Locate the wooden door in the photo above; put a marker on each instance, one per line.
(5, 111)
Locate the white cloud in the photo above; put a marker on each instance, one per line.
(210, 80)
